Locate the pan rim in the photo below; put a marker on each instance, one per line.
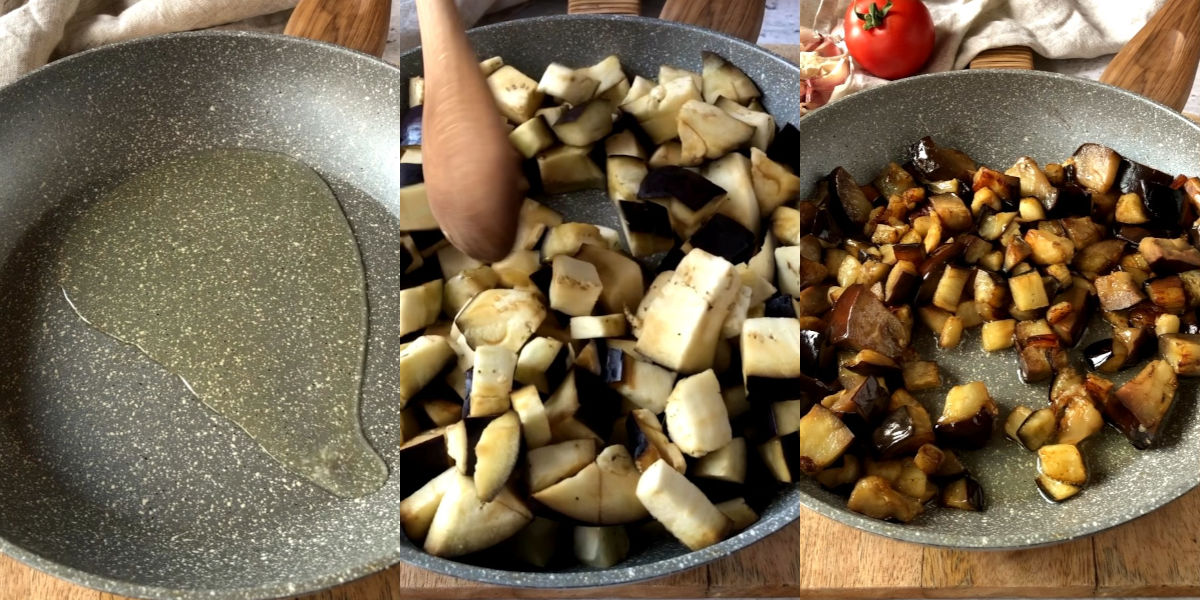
(938, 539)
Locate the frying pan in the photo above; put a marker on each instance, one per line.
(642, 45)
(996, 117)
(113, 476)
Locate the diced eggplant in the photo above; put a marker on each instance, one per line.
(1038, 429)
(491, 381)
(682, 326)
(680, 184)
(1117, 291)
(568, 169)
(725, 237)
(739, 513)
(998, 335)
(1028, 291)
(774, 184)
(1149, 395)
(902, 282)
(625, 175)
(722, 79)
(574, 287)
(780, 306)
(1182, 352)
(624, 143)
(622, 285)
(535, 425)
(762, 122)
(641, 382)
(868, 401)
(601, 547)
(516, 94)
(420, 362)
(964, 494)
(708, 133)
(464, 524)
(542, 363)
(647, 227)
(585, 123)
(823, 439)
(785, 149)
(570, 86)
(681, 507)
(602, 493)
(954, 215)
(496, 454)
(1167, 293)
(937, 163)
(696, 416)
(861, 321)
(775, 459)
(1062, 462)
(874, 496)
(902, 432)
(1054, 490)
(847, 202)
(1096, 167)
(421, 459)
(537, 544)
(418, 509)
(1080, 420)
(929, 459)
(1169, 255)
(548, 465)
(647, 443)
(920, 375)
(599, 404)
(727, 463)
(532, 137)
(1015, 418)
(967, 416)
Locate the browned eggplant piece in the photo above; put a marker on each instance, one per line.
(870, 362)
(1096, 167)
(967, 417)
(1101, 392)
(1118, 291)
(938, 163)
(1038, 357)
(893, 180)
(1082, 231)
(817, 356)
(921, 375)
(823, 439)
(1070, 314)
(914, 253)
(991, 295)
(847, 202)
(1054, 490)
(1149, 395)
(1028, 292)
(813, 301)
(901, 282)
(1127, 346)
(1080, 420)
(1169, 255)
(929, 459)
(1168, 294)
(861, 321)
(946, 254)
(842, 475)
(1047, 248)
(1038, 429)
(1163, 204)
(1098, 258)
(902, 432)
(1005, 187)
(875, 497)
(954, 214)
(690, 188)
(1062, 462)
(869, 400)
(411, 124)
(964, 494)
(1182, 352)
(725, 237)
(1072, 201)
(1014, 420)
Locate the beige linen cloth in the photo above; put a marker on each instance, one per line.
(1054, 29)
(32, 32)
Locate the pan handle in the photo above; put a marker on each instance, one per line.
(356, 24)
(740, 18)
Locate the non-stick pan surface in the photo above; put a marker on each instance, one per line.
(997, 117)
(111, 474)
(642, 45)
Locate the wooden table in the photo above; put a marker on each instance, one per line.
(1157, 555)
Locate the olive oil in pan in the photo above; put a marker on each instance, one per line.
(237, 271)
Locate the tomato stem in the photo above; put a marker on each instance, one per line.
(874, 17)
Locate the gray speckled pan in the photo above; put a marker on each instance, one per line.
(111, 474)
(642, 45)
(996, 117)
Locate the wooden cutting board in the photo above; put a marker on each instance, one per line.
(1157, 555)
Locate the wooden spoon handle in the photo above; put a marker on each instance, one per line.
(739, 18)
(356, 24)
(1160, 61)
(472, 172)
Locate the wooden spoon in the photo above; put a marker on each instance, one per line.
(356, 24)
(1160, 61)
(472, 172)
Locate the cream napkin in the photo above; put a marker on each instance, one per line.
(34, 31)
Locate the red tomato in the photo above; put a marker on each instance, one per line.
(890, 40)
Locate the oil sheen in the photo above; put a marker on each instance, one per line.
(237, 271)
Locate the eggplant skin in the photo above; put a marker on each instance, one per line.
(692, 189)
(411, 125)
(898, 435)
(861, 321)
(725, 237)
(969, 434)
